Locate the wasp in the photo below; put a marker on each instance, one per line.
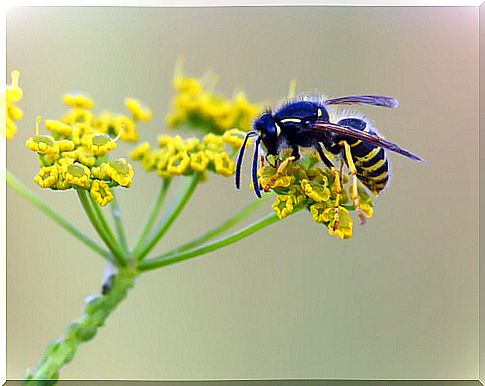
(306, 124)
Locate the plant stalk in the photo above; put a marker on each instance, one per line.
(174, 257)
(31, 197)
(61, 351)
(165, 223)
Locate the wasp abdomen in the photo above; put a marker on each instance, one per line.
(370, 161)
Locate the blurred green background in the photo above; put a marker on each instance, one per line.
(399, 300)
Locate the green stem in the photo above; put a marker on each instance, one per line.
(99, 228)
(237, 218)
(61, 351)
(116, 213)
(23, 191)
(165, 223)
(174, 257)
(102, 219)
(153, 214)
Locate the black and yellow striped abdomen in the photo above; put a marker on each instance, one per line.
(370, 161)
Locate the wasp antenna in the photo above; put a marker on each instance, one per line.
(240, 157)
(255, 168)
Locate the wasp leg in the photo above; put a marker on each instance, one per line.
(337, 183)
(353, 171)
(279, 172)
(283, 166)
(295, 153)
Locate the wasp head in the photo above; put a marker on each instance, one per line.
(268, 132)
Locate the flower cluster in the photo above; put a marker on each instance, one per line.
(176, 156)
(306, 184)
(13, 94)
(196, 105)
(75, 154)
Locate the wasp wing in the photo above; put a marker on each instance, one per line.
(376, 100)
(364, 137)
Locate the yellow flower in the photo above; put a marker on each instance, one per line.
(319, 212)
(81, 132)
(42, 144)
(140, 151)
(224, 165)
(155, 160)
(367, 209)
(190, 144)
(78, 100)
(47, 176)
(14, 112)
(212, 141)
(178, 164)
(100, 144)
(196, 103)
(13, 92)
(62, 185)
(297, 194)
(126, 128)
(175, 118)
(77, 115)
(139, 110)
(10, 128)
(58, 127)
(85, 158)
(199, 161)
(276, 182)
(120, 171)
(99, 172)
(65, 145)
(283, 205)
(104, 122)
(77, 174)
(341, 227)
(101, 193)
(187, 85)
(315, 192)
(234, 137)
(365, 201)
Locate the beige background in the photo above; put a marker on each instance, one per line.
(400, 300)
